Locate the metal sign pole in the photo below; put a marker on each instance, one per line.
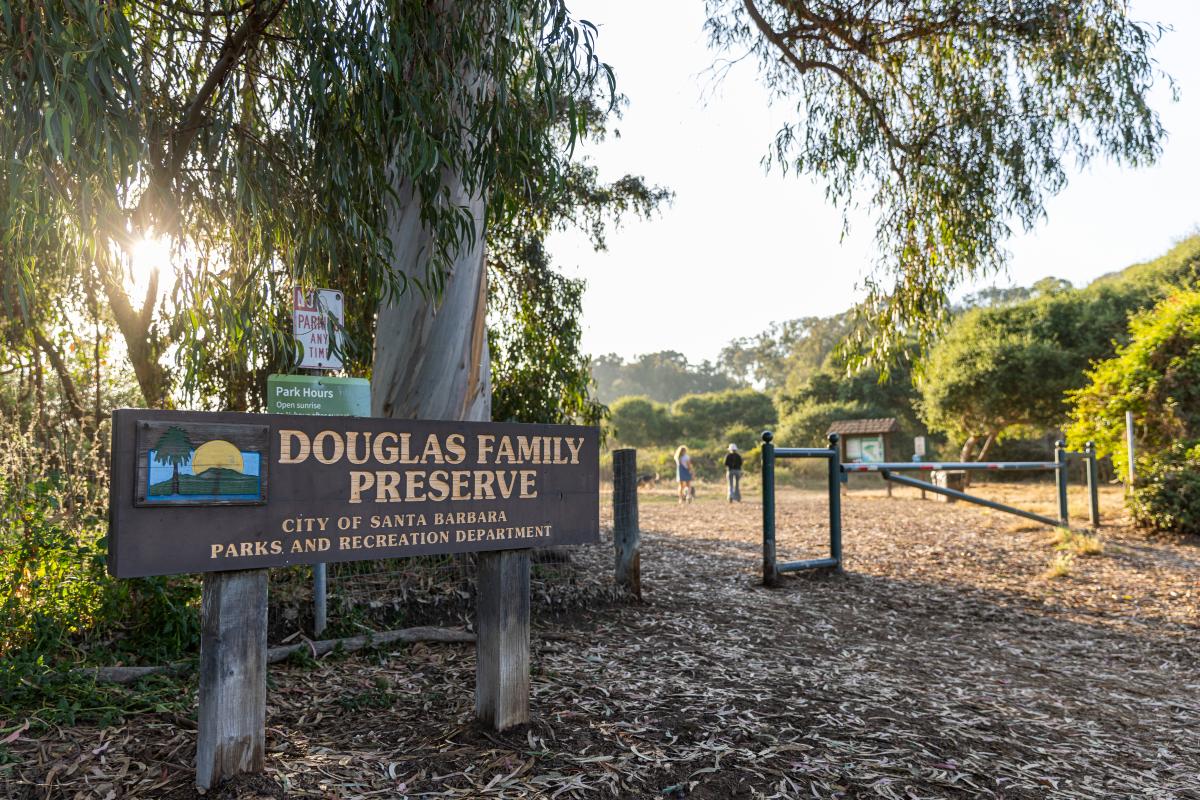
(1093, 484)
(1129, 454)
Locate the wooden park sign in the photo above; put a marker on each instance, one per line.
(232, 494)
(207, 492)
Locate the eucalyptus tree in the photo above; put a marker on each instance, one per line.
(950, 120)
(271, 142)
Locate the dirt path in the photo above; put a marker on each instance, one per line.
(943, 664)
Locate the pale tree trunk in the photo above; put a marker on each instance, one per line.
(967, 449)
(431, 354)
(431, 362)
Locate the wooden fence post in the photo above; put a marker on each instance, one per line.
(233, 676)
(626, 534)
(502, 638)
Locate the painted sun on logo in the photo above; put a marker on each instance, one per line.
(183, 470)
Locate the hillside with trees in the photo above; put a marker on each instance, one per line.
(996, 382)
(663, 377)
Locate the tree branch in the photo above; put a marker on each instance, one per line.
(189, 127)
(74, 404)
(803, 65)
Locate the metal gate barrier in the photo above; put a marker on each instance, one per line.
(839, 472)
(771, 567)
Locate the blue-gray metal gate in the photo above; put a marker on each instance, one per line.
(838, 472)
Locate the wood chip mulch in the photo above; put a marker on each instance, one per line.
(944, 663)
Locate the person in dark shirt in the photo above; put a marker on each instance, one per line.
(733, 473)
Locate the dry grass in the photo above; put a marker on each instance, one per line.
(1076, 543)
(940, 665)
(1060, 566)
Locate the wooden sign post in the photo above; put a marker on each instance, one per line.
(234, 494)
(502, 639)
(231, 735)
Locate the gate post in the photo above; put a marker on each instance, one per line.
(835, 501)
(770, 570)
(1093, 484)
(626, 536)
(1060, 481)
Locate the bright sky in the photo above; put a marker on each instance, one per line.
(740, 248)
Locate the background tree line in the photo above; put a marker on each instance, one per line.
(1013, 370)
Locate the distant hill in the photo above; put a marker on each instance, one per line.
(663, 377)
(217, 480)
(1179, 266)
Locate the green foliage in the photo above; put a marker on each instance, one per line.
(707, 416)
(1167, 495)
(949, 120)
(663, 377)
(696, 419)
(1005, 368)
(788, 353)
(51, 565)
(538, 372)
(271, 144)
(834, 394)
(745, 437)
(641, 422)
(58, 605)
(807, 423)
(995, 373)
(1156, 376)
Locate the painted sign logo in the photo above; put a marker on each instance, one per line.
(192, 464)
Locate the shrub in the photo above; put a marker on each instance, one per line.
(745, 437)
(708, 416)
(640, 422)
(1156, 376)
(1167, 497)
(52, 571)
(807, 425)
(58, 605)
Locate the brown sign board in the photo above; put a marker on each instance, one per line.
(207, 492)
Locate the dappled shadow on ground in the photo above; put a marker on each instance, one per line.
(943, 664)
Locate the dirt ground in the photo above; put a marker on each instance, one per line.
(960, 655)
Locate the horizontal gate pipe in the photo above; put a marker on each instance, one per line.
(970, 498)
(921, 466)
(803, 452)
(812, 563)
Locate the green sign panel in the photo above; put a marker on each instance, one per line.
(318, 395)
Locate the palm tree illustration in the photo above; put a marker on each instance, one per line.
(174, 448)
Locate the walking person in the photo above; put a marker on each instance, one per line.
(683, 472)
(733, 473)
